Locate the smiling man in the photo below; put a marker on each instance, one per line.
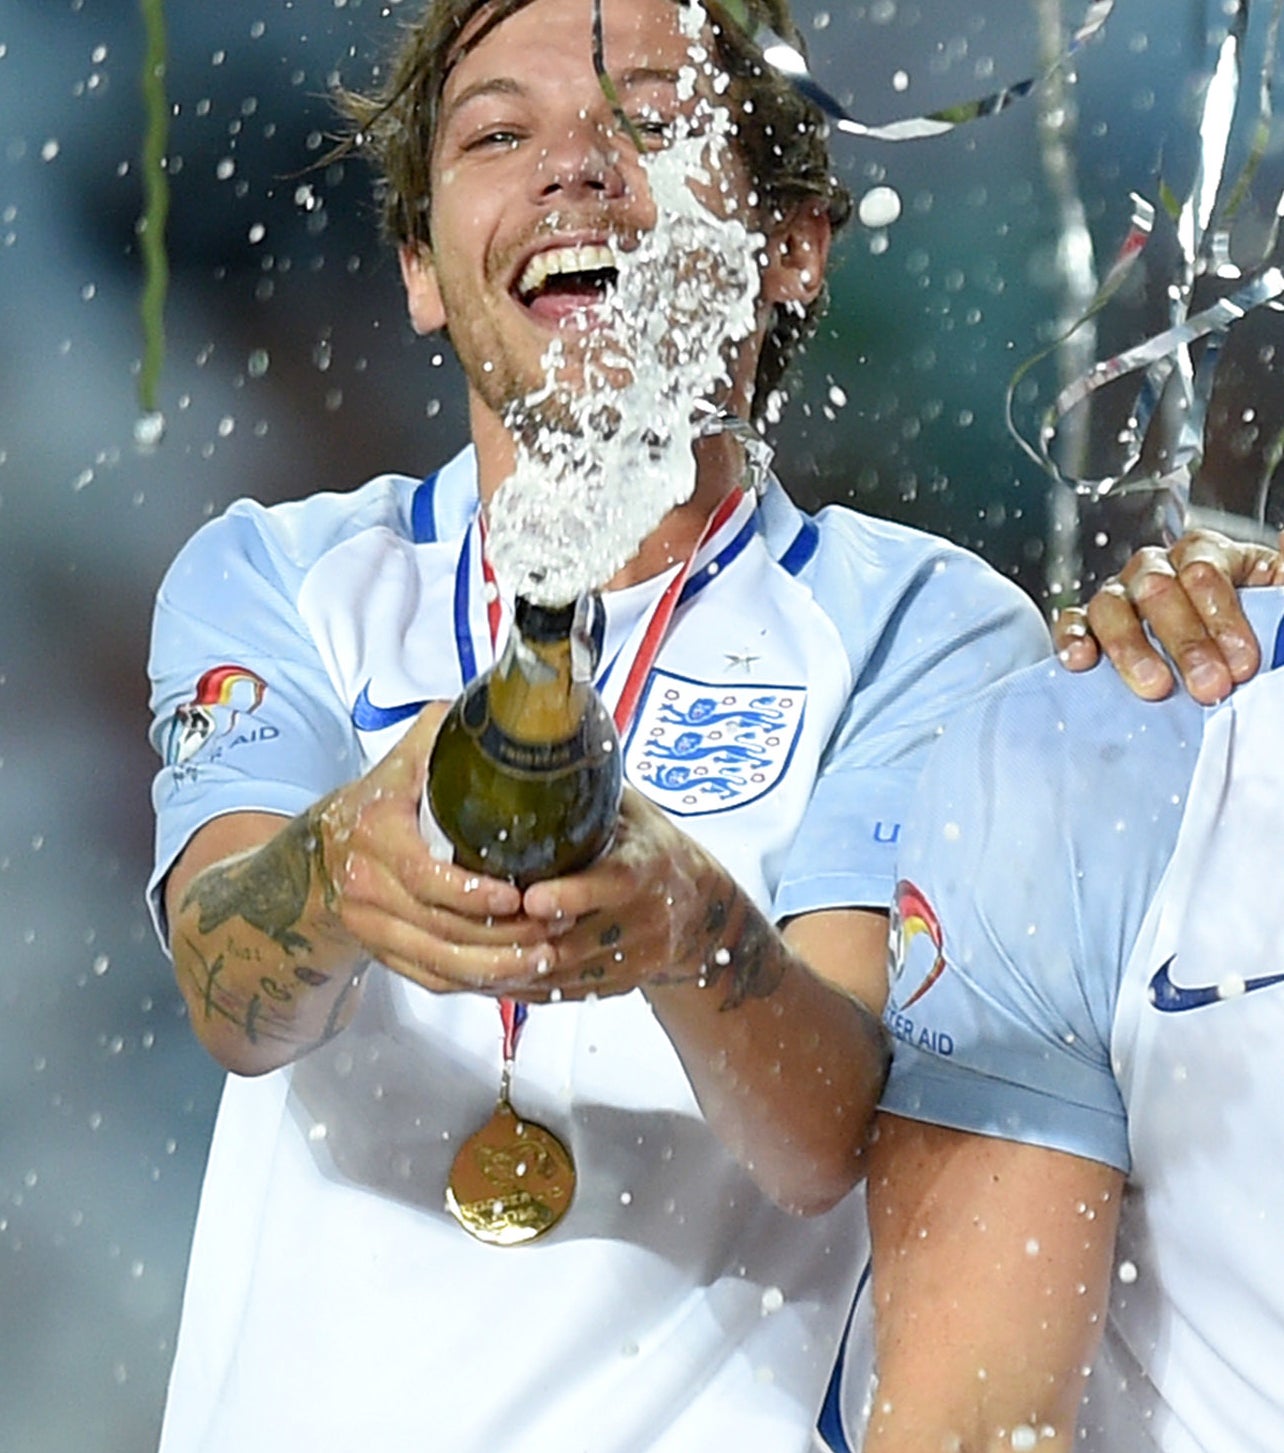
(697, 1040)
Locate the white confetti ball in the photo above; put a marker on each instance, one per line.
(879, 207)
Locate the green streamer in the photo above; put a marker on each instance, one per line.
(607, 84)
(151, 227)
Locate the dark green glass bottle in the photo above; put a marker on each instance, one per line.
(525, 777)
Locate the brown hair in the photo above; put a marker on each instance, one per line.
(781, 135)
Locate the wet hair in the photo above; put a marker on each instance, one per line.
(780, 135)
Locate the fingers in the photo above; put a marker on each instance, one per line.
(1193, 613)
(511, 970)
(1188, 597)
(606, 931)
(1075, 645)
(648, 864)
(375, 852)
(640, 915)
(431, 921)
(1241, 562)
(1209, 567)
(529, 973)
(1116, 624)
(606, 885)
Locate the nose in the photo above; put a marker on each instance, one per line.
(583, 160)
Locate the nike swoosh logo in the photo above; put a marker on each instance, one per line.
(1170, 998)
(367, 717)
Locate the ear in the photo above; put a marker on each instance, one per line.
(423, 296)
(797, 254)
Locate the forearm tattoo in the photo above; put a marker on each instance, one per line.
(263, 1015)
(268, 889)
(742, 950)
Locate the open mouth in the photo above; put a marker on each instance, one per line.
(567, 280)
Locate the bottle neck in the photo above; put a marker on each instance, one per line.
(534, 696)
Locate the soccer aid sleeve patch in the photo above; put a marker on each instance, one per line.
(221, 701)
(698, 747)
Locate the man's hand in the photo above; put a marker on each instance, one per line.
(786, 1066)
(1187, 597)
(653, 909)
(273, 921)
(441, 926)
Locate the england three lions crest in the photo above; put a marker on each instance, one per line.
(699, 747)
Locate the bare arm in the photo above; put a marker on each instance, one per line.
(1187, 596)
(991, 1274)
(787, 1067)
(272, 925)
(778, 1033)
(273, 921)
(259, 964)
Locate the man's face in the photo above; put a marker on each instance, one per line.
(536, 187)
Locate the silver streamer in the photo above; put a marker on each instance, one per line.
(1175, 434)
(790, 62)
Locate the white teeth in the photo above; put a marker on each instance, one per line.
(558, 260)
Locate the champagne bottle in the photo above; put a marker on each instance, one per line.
(525, 777)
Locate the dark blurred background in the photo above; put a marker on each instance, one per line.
(290, 369)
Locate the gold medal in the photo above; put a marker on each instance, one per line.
(511, 1181)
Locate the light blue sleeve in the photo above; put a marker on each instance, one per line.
(927, 626)
(1039, 832)
(244, 715)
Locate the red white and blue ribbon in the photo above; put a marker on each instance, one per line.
(726, 533)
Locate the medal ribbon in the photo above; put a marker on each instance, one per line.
(513, 1014)
(675, 593)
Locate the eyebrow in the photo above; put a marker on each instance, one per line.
(645, 75)
(510, 86)
(492, 86)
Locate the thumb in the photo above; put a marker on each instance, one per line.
(412, 752)
(428, 722)
(1072, 639)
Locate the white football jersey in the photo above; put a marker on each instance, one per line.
(1092, 958)
(332, 1304)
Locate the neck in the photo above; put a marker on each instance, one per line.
(719, 471)
(720, 468)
